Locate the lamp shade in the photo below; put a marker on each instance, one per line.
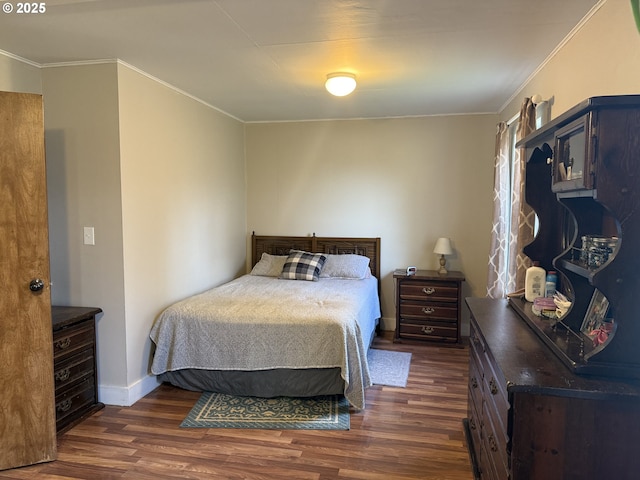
(443, 246)
(340, 84)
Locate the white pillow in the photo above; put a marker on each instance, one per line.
(269, 265)
(348, 265)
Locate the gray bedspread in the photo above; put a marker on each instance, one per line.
(262, 323)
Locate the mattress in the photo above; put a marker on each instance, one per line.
(263, 324)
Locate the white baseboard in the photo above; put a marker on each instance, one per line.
(127, 396)
(388, 324)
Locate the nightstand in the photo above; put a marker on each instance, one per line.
(428, 306)
(74, 359)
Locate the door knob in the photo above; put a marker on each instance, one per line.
(36, 285)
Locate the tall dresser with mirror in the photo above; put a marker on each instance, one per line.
(560, 397)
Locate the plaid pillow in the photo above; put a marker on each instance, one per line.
(303, 266)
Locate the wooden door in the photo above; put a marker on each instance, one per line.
(27, 412)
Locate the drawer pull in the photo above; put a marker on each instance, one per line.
(472, 424)
(63, 375)
(474, 382)
(493, 445)
(427, 330)
(64, 405)
(428, 310)
(428, 290)
(62, 344)
(493, 388)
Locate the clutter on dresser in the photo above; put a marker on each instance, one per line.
(588, 233)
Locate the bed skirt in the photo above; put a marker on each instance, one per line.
(308, 382)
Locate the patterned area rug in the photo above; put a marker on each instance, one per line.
(216, 410)
(389, 368)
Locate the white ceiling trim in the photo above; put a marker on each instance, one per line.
(75, 63)
(19, 59)
(125, 64)
(177, 90)
(554, 52)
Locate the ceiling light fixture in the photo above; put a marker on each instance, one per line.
(340, 84)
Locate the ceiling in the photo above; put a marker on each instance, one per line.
(267, 60)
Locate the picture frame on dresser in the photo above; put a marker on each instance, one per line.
(596, 313)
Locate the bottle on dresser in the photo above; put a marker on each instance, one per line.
(551, 284)
(534, 282)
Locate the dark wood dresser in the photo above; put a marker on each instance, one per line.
(428, 306)
(75, 372)
(530, 417)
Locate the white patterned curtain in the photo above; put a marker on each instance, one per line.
(522, 215)
(513, 219)
(498, 283)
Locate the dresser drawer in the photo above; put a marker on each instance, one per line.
(429, 311)
(428, 331)
(495, 394)
(475, 422)
(475, 385)
(495, 447)
(69, 341)
(429, 290)
(73, 369)
(490, 416)
(475, 339)
(72, 402)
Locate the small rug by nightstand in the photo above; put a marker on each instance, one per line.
(217, 410)
(389, 368)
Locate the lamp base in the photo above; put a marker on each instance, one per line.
(443, 262)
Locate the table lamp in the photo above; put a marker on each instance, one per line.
(442, 248)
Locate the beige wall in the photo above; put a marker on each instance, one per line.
(183, 203)
(83, 182)
(19, 76)
(602, 58)
(408, 181)
(160, 177)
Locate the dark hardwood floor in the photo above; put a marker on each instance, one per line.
(404, 433)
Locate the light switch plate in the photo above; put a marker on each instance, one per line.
(89, 236)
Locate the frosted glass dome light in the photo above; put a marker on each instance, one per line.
(340, 84)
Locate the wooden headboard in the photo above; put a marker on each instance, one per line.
(277, 245)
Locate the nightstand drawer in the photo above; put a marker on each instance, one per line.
(68, 341)
(73, 369)
(428, 311)
(431, 291)
(429, 331)
(72, 402)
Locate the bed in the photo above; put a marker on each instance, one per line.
(297, 325)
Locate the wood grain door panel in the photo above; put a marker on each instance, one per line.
(27, 415)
